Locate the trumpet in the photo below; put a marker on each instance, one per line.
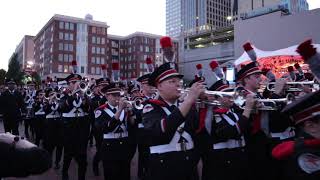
(291, 89)
(138, 104)
(207, 92)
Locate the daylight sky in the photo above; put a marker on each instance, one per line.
(27, 17)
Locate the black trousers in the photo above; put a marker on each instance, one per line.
(116, 158)
(11, 124)
(54, 137)
(39, 127)
(75, 133)
(173, 165)
(231, 164)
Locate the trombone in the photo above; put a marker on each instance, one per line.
(207, 92)
(291, 89)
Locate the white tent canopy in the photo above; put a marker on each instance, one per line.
(290, 51)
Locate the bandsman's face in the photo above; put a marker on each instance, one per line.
(113, 98)
(170, 88)
(74, 85)
(253, 81)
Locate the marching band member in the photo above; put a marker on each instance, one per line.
(54, 127)
(39, 116)
(29, 100)
(115, 123)
(301, 157)
(170, 125)
(11, 101)
(227, 126)
(249, 76)
(75, 108)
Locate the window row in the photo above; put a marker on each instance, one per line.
(65, 47)
(98, 30)
(66, 36)
(97, 60)
(98, 50)
(66, 25)
(98, 40)
(95, 70)
(65, 57)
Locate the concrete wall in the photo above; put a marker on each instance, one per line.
(222, 52)
(273, 31)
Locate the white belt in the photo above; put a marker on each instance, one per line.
(115, 135)
(50, 116)
(140, 125)
(288, 133)
(81, 114)
(39, 113)
(230, 144)
(169, 148)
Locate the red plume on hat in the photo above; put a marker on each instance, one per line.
(104, 70)
(74, 66)
(250, 51)
(165, 42)
(115, 71)
(149, 64)
(311, 56)
(199, 68)
(216, 69)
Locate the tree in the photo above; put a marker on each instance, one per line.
(2, 76)
(36, 77)
(14, 70)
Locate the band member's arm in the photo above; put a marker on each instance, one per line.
(224, 130)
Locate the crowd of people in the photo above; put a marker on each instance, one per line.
(237, 132)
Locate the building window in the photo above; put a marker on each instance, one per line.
(70, 57)
(70, 47)
(103, 51)
(98, 60)
(82, 69)
(141, 48)
(98, 70)
(61, 24)
(93, 70)
(71, 26)
(66, 25)
(102, 60)
(66, 58)
(93, 50)
(59, 68)
(98, 50)
(71, 37)
(66, 46)
(94, 30)
(93, 39)
(61, 35)
(61, 46)
(60, 58)
(103, 40)
(93, 60)
(65, 68)
(98, 40)
(66, 36)
(147, 48)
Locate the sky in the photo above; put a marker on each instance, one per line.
(27, 17)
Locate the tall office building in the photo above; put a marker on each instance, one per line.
(204, 15)
(173, 18)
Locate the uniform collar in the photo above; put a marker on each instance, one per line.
(112, 107)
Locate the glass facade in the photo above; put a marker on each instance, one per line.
(296, 6)
(173, 17)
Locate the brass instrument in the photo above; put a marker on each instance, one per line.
(291, 89)
(216, 93)
(138, 103)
